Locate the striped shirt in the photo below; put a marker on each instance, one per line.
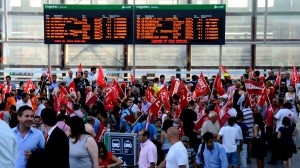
(248, 120)
(191, 154)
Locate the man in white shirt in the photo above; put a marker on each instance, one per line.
(92, 76)
(145, 105)
(228, 136)
(24, 101)
(41, 106)
(162, 81)
(131, 106)
(69, 78)
(285, 112)
(177, 155)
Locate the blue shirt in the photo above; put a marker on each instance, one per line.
(96, 125)
(124, 113)
(53, 85)
(33, 139)
(216, 158)
(140, 126)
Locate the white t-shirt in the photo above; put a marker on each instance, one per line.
(240, 133)
(229, 138)
(177, 156)
(284, 113)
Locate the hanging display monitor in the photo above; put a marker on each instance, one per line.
(180, 24)
(135, 24)
(88, 24)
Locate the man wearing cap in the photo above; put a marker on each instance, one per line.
(191, 152)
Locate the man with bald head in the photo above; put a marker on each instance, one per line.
(69, 78)
(177, 155)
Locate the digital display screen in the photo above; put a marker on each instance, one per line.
(135, 24)
(88, 24)
(180, 24)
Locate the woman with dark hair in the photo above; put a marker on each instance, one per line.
(83, 147)
(286, 143)
(259, 147)
(107, 159)
(165, 144)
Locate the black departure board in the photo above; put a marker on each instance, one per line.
(88, 24)
(135, 24)
(180, 24)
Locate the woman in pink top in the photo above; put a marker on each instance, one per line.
(61, 123)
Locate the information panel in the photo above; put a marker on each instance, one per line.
(88, 24)
(180, 24)
(123, 146)
(134, 24)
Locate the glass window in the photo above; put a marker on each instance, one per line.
(277, 55)
(91, 55)
(236, 55)
(30, 54)
(238, 5)
(206, 1)
(15, 3)
(205, 55)
(2, 27)
(107, 1)
(279, 5)
(25, 27)
(78, 2)
(158, 55)
(238, 27)
(279, 27)
(26, 6)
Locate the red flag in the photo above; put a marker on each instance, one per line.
(7, 89)
(117, 86)
(71, 88)
(29, 86)
(202, 87)
(111, 96)
(295, 77)
(223, 114)
(66, 101)
(180, 129)
(91, 99)
(150, 95)
(184, 96)
(201, 118)
(56, 103)
(132, 79)
(277, 82)
(1, 115)
(262, 98)
(100, 79)
(250, 73)
(155, 107)
(163, 92)
(253, 87)
(174, 87)
(48, 74)
(80, 67)
(224, 72)
(218, 85)
(3, 91)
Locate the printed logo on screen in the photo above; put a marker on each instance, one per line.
(219, 7)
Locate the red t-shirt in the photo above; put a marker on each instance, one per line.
(269, 113)
(107, 161)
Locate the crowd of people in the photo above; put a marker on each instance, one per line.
(198, 123)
